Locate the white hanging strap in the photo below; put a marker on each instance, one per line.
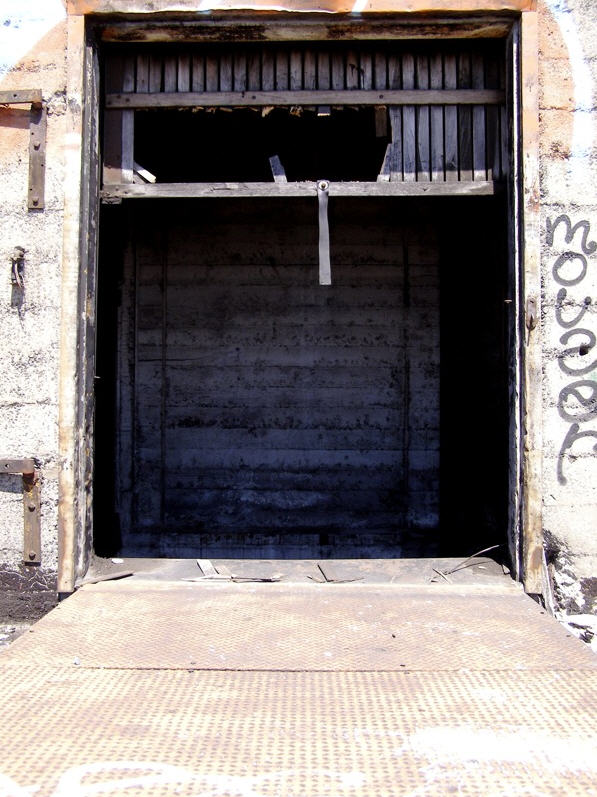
(325, 268)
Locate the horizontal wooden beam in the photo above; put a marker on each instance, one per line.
(211, 99)
(21, 97)
(264, 190)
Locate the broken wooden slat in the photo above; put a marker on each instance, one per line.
(226, 97)
(451, 122)
(479, 146)
(392, 167)
(353, 70)
(365, 71)
(422, 117)
(207, 567)
(409, 135)
(436, 120)
(278, 172)
(356, 189)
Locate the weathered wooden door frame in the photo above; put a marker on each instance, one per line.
(78, 328)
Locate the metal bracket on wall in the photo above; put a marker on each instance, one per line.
(37, 141)
(31, 506)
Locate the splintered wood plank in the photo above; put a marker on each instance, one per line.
(451, 122)
(119, 125)
(171, 73)
(409, 135)
(226, 76)
(392, 166)
(184, 73)
(353, 70)
(282, 70)
(198, 74)
(212, 73)
(155, 73)
(296, 70)
(422, 116)
(254, 70)
(338, 71)
(436, 120)
(479, 128)
(465, 121)
(239, 80)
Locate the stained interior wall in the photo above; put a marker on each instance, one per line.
(251, 412)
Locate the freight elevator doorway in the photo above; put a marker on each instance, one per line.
(245, 411)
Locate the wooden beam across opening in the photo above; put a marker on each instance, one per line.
(115, 193)
(212, 99)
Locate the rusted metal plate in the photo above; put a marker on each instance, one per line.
(37, 157)
(260, 734)
(328, 627)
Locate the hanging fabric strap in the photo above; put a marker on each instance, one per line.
(325, 269)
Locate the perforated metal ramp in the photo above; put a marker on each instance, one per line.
(160, 688)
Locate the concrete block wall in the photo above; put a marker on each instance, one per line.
(32, 56)
(568, 172)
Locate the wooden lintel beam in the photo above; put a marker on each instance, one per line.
(212, 99)
(303, 189)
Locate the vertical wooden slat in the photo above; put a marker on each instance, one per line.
(282, 70)
(436, 121)
(366, 70)
(338, 71)
(380, 71)
(392, 166)
(309, 70)
(268, 70)
(198, 78)
(409, 143)
(212, 72)
(422, 117)
(184, 73)
(296, 70)
(394, 72)
(119, 135)
(226, 76)
(465, 121)
(353, 70)
(239, 78)
(142, 82)
(450, 122)
(492, 117)
(155, 73)
(479, 145)
(170, 73)
(323, 70)
(254, 70)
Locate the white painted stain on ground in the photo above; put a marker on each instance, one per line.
(22, 24)
(582, 137)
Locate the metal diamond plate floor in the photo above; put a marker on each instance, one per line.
(256, 690)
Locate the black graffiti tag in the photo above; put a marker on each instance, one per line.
(577, 402)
